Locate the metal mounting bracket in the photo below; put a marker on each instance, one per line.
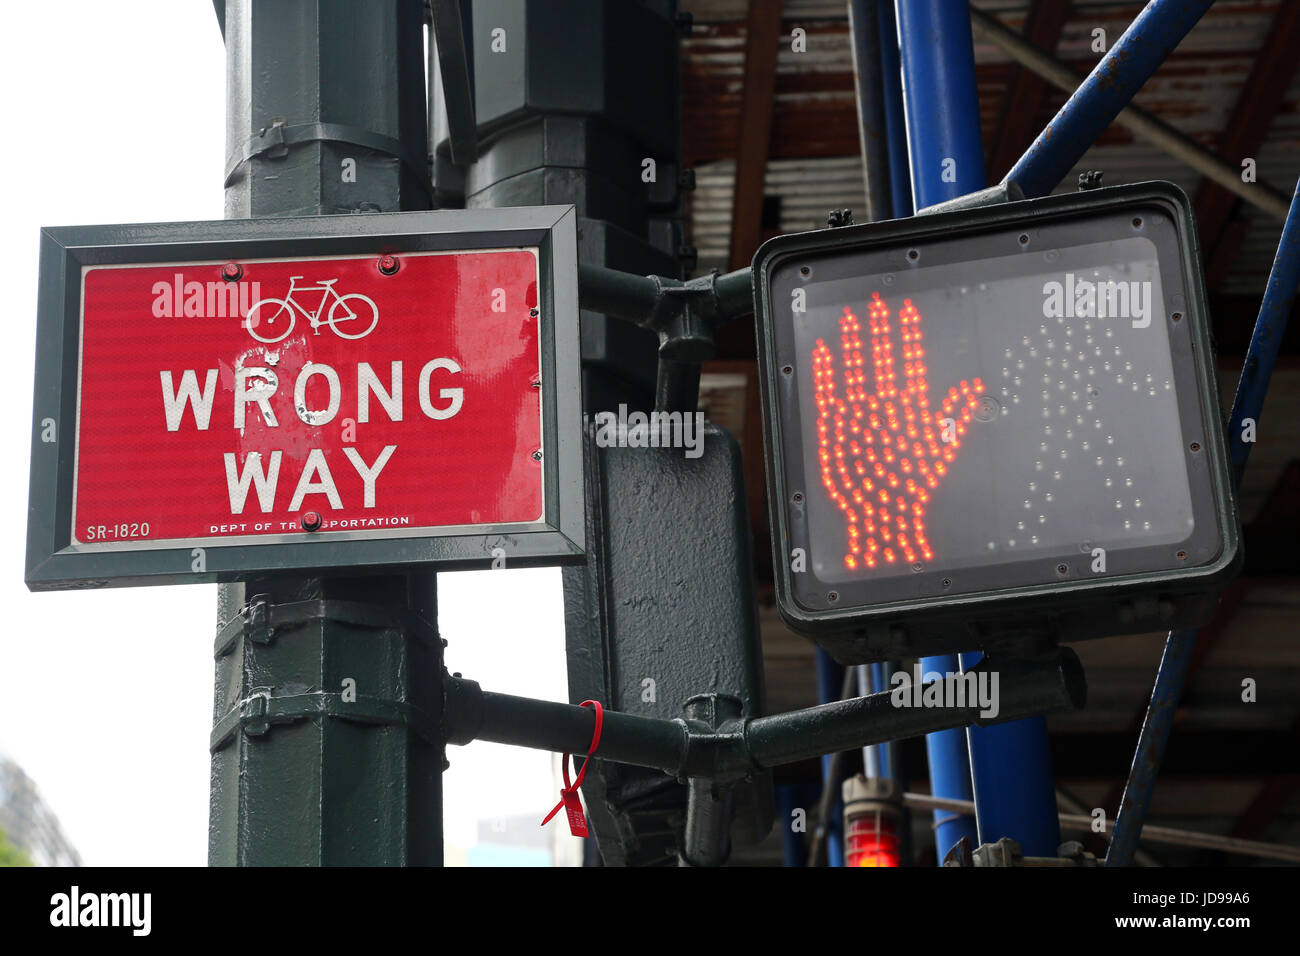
(263, 707)
(992, 196)
(275, 141)
(260, 621)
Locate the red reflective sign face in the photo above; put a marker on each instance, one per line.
(325, 397)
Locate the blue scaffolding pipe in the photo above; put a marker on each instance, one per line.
(1106, 90)
(1279, 297)
(945, 147)
(830, 683)
(1265, 340)
(1010, 763)
(947, 756)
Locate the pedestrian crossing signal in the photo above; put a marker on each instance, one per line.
(1001, 417)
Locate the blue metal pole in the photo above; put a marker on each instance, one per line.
(830, 682)
(1010, 763)
(1266, 339)
(1270, 326)
(947, 756)
(940, 100)
(1106, 90)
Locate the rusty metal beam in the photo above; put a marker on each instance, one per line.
(1258, 102)
(1027, 91)
(762, 36)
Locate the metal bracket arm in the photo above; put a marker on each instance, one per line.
(713, 742)
(682, 314)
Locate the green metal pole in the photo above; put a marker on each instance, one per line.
(328, 747)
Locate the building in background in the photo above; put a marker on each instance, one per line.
(28, 823)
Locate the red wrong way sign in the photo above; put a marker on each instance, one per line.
(295, 400)
(320, 395)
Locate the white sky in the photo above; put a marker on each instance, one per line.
(116, 114)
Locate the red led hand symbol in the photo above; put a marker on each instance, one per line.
(881, 454)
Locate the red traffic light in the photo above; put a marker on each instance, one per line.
(871, 840)
(872, 821)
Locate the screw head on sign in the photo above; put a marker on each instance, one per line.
(535, 382)
(533, 313)
(310, 520)
(389, 265)
(537, 454)
(231, 271)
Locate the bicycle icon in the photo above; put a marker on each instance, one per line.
(266, 313)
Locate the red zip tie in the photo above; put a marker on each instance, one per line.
(569, 792)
